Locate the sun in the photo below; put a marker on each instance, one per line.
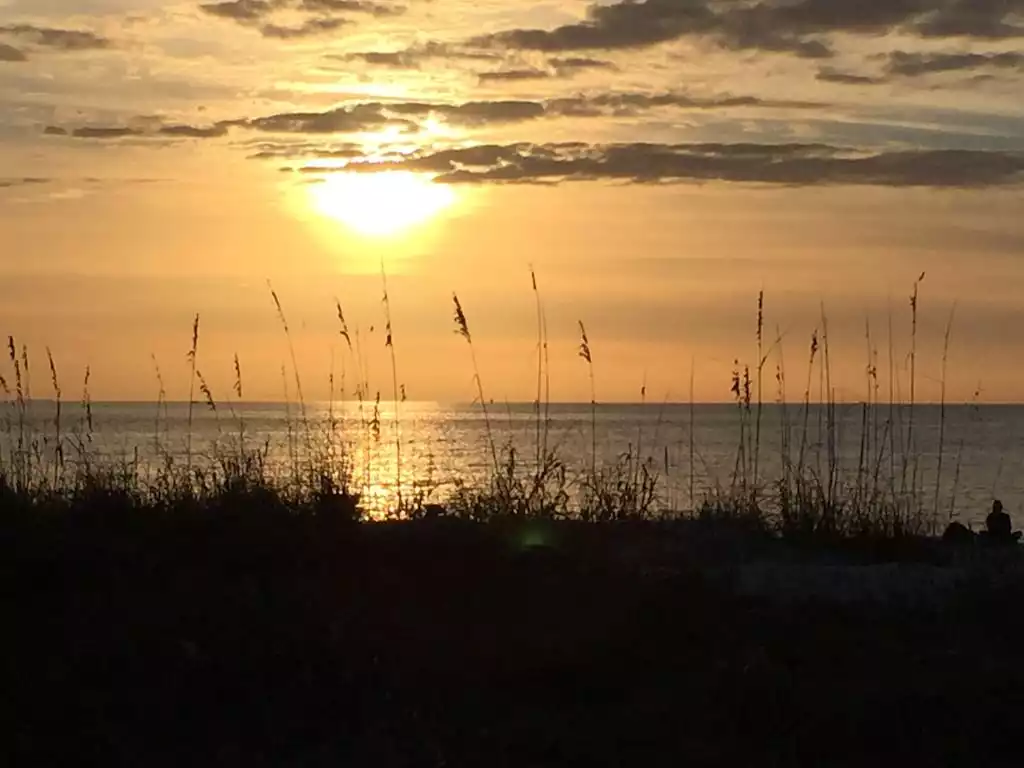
(382, 204)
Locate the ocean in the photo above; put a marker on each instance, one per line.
(982, 447)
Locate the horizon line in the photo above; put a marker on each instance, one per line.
(532, 403)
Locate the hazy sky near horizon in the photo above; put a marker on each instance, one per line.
(658, 163)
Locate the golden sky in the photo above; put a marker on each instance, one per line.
(657, 163)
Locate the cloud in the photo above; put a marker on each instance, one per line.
(905, 64)
(398, 59)
(256, 12)
(760, 40)
(10, 53)
(560, 67)
(785, 164)
(93, 132)
(351, 6)
(412, 58)
(626, 103)
(620, 26)
(60, 39)
(242, 10)
(353, 119)
(22, 182)
(572, 63)
(986, 19)
(630, 24)
(800, 27)
(829, 75)
(308, 28)
(194, 132)
(104, 132)
(408, 115)
(472, 113)
(278, 150)
(513, 75)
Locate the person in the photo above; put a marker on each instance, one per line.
(998, 527)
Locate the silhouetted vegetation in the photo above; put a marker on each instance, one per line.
(812, 497)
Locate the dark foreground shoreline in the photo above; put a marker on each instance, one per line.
(271, 642)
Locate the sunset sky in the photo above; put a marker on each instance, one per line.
(657, 163)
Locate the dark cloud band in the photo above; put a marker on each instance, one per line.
(904, 64)
(24, 181)
(914, 64)
(308, 28)
(801, 28)
(785, 164)
(407, 116)
(256, 14)
(59, 39)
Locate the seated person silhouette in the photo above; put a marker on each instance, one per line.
(958, 533)
(998, 528)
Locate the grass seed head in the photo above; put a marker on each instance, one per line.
(585, 344)
(461, 324)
